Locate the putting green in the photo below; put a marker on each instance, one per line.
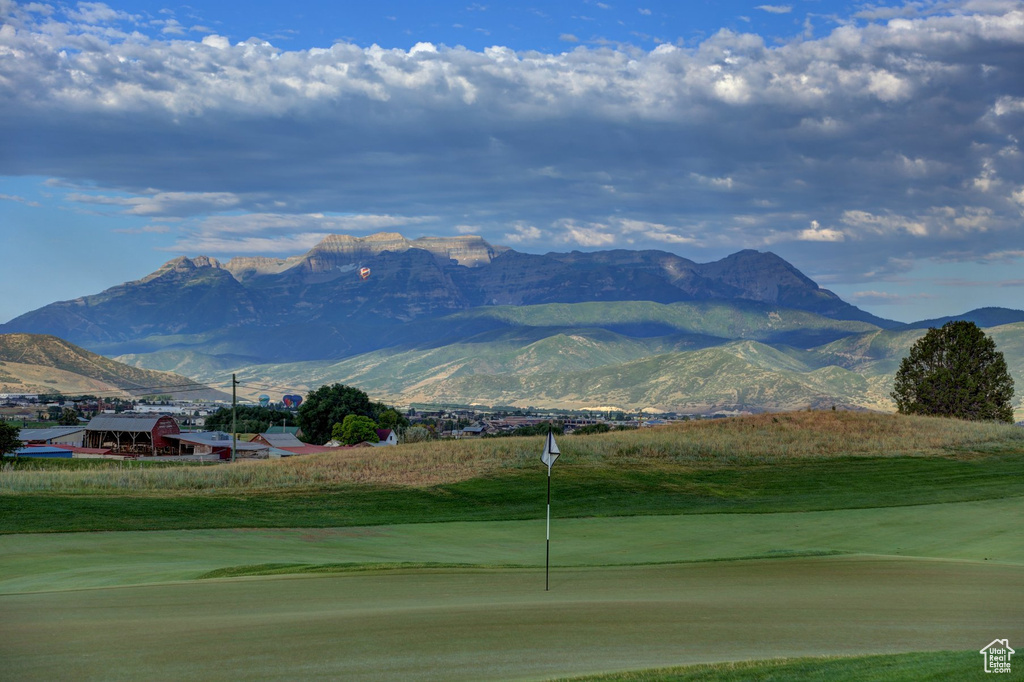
(986, 530)
(500, 624)
(129, 605)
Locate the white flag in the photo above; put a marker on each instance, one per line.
(551, 451)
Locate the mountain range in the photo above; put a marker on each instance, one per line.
(35, 363)
(457, 320)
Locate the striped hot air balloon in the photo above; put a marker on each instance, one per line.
(364, 273)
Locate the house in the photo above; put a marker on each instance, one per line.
(475, 431)
(132, 435)
(57, 435)
(997, 656)
(387, 437)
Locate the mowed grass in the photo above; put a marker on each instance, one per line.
(468, 624)
(931, 666)
(984, 531)
(847, 535)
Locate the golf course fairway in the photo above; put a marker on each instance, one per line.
(799, 546)
(467, 600)
(476, 624)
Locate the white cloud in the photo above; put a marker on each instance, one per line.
(294, 243)
(886, 298)
(98, 13)
(164, 203)
(219, 42)
(20, 200)
(651, 231)
(775, 9)
(523, 234)
(815, 233)
(715, 183)
(228, 226)
(145, 229)
(873, 130)
(864, 223)
(589, 235)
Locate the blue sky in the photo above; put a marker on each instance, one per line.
(876, 146)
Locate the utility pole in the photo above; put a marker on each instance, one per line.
(234, 423)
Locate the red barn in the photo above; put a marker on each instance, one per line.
(132, 435)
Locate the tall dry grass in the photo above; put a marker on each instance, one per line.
(761, 439)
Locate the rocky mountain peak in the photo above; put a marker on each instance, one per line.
(342, 249)
(182, 264)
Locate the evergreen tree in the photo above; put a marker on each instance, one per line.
(9, 441)
(955, 371)
(68, 417)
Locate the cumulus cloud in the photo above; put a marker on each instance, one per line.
(775, 9)
(590, 235)
(896, 132)
(523, 234)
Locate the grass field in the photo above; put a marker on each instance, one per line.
(932, 666)
(670, 560)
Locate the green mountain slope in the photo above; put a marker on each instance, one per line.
(733, 320)
(565, 355)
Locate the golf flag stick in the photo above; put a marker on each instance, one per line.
(549, 456)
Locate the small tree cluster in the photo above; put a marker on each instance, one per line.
(250, 419)
(355, 429)
(330, 405)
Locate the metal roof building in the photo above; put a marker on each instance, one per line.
(132, 435)
(217, 443)
(278, 440)
(55, 435)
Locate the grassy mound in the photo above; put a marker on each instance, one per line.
(705, 445)
(768, 463)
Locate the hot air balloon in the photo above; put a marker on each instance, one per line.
(364, 273)
(292, 400)
(264, 400)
